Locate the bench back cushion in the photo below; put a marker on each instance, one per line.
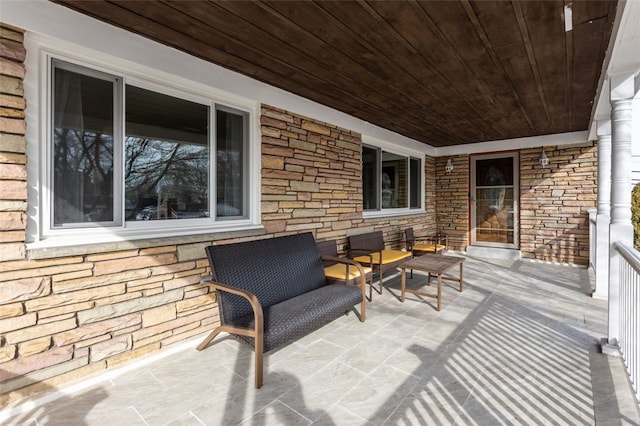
(273, 269)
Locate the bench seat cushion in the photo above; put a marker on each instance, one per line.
(388, 256)
(296, 317)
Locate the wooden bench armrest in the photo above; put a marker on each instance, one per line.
(251, 298)
(258, 315)
(257, 333)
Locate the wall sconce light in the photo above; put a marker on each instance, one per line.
(449, 167)
(544, 160)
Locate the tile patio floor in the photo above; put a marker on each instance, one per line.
(518, 346)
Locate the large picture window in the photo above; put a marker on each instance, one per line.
(390, 180)
(124, 154)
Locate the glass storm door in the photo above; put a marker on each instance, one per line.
(494, 200)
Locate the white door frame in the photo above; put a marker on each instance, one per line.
(516, 198)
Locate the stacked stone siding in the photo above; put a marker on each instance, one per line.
(452, 200)
(312, 181)
(554, 201)
(13, 172)
(311, 175)
(64, 318)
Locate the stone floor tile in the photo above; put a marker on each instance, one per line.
(377, 396)
(275, 414)
(337, 415)
(369, 353)
(315, 394)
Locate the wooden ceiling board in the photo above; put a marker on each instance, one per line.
(332, 75)
(507, 52)
(510, 39)
(362, 50)
(547, 60)
(430, 89)
(383, 75)
(215, 46)
(306, 49)
(441, 72)
(587, 36)
(474, 73)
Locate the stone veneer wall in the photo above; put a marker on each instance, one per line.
(554, 223)
(554, 200)
(312, 181)
(13, 171)
(452, 200)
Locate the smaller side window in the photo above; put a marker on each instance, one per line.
(390, 180)
(83, 147)
(232, 139)
(371, 178)
(415, 183)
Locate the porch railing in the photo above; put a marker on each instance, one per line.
(629, 318)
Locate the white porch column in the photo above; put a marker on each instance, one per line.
(620, 229)
(601, 255)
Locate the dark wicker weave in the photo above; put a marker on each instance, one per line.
(274, 291)
(294, 318)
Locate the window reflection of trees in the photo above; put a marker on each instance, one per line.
(163, 165)
(165, 180)
(83, 176)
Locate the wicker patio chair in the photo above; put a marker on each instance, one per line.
(418, 246)
(424, 244)
(341, 272)
(369, 250)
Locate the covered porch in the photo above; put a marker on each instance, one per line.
(518, 346)
(102, 320)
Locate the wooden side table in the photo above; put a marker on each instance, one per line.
(433, 264)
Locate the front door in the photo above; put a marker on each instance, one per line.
(494, 200)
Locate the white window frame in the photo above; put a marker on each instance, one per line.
(40, 232)
(405, 152)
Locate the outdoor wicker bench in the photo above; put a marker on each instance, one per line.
(273, 291)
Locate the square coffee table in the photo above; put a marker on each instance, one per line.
(433, 264)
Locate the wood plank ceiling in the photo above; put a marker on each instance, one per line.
(440, 72)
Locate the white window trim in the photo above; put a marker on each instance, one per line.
(405, 152)
(39, 233)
